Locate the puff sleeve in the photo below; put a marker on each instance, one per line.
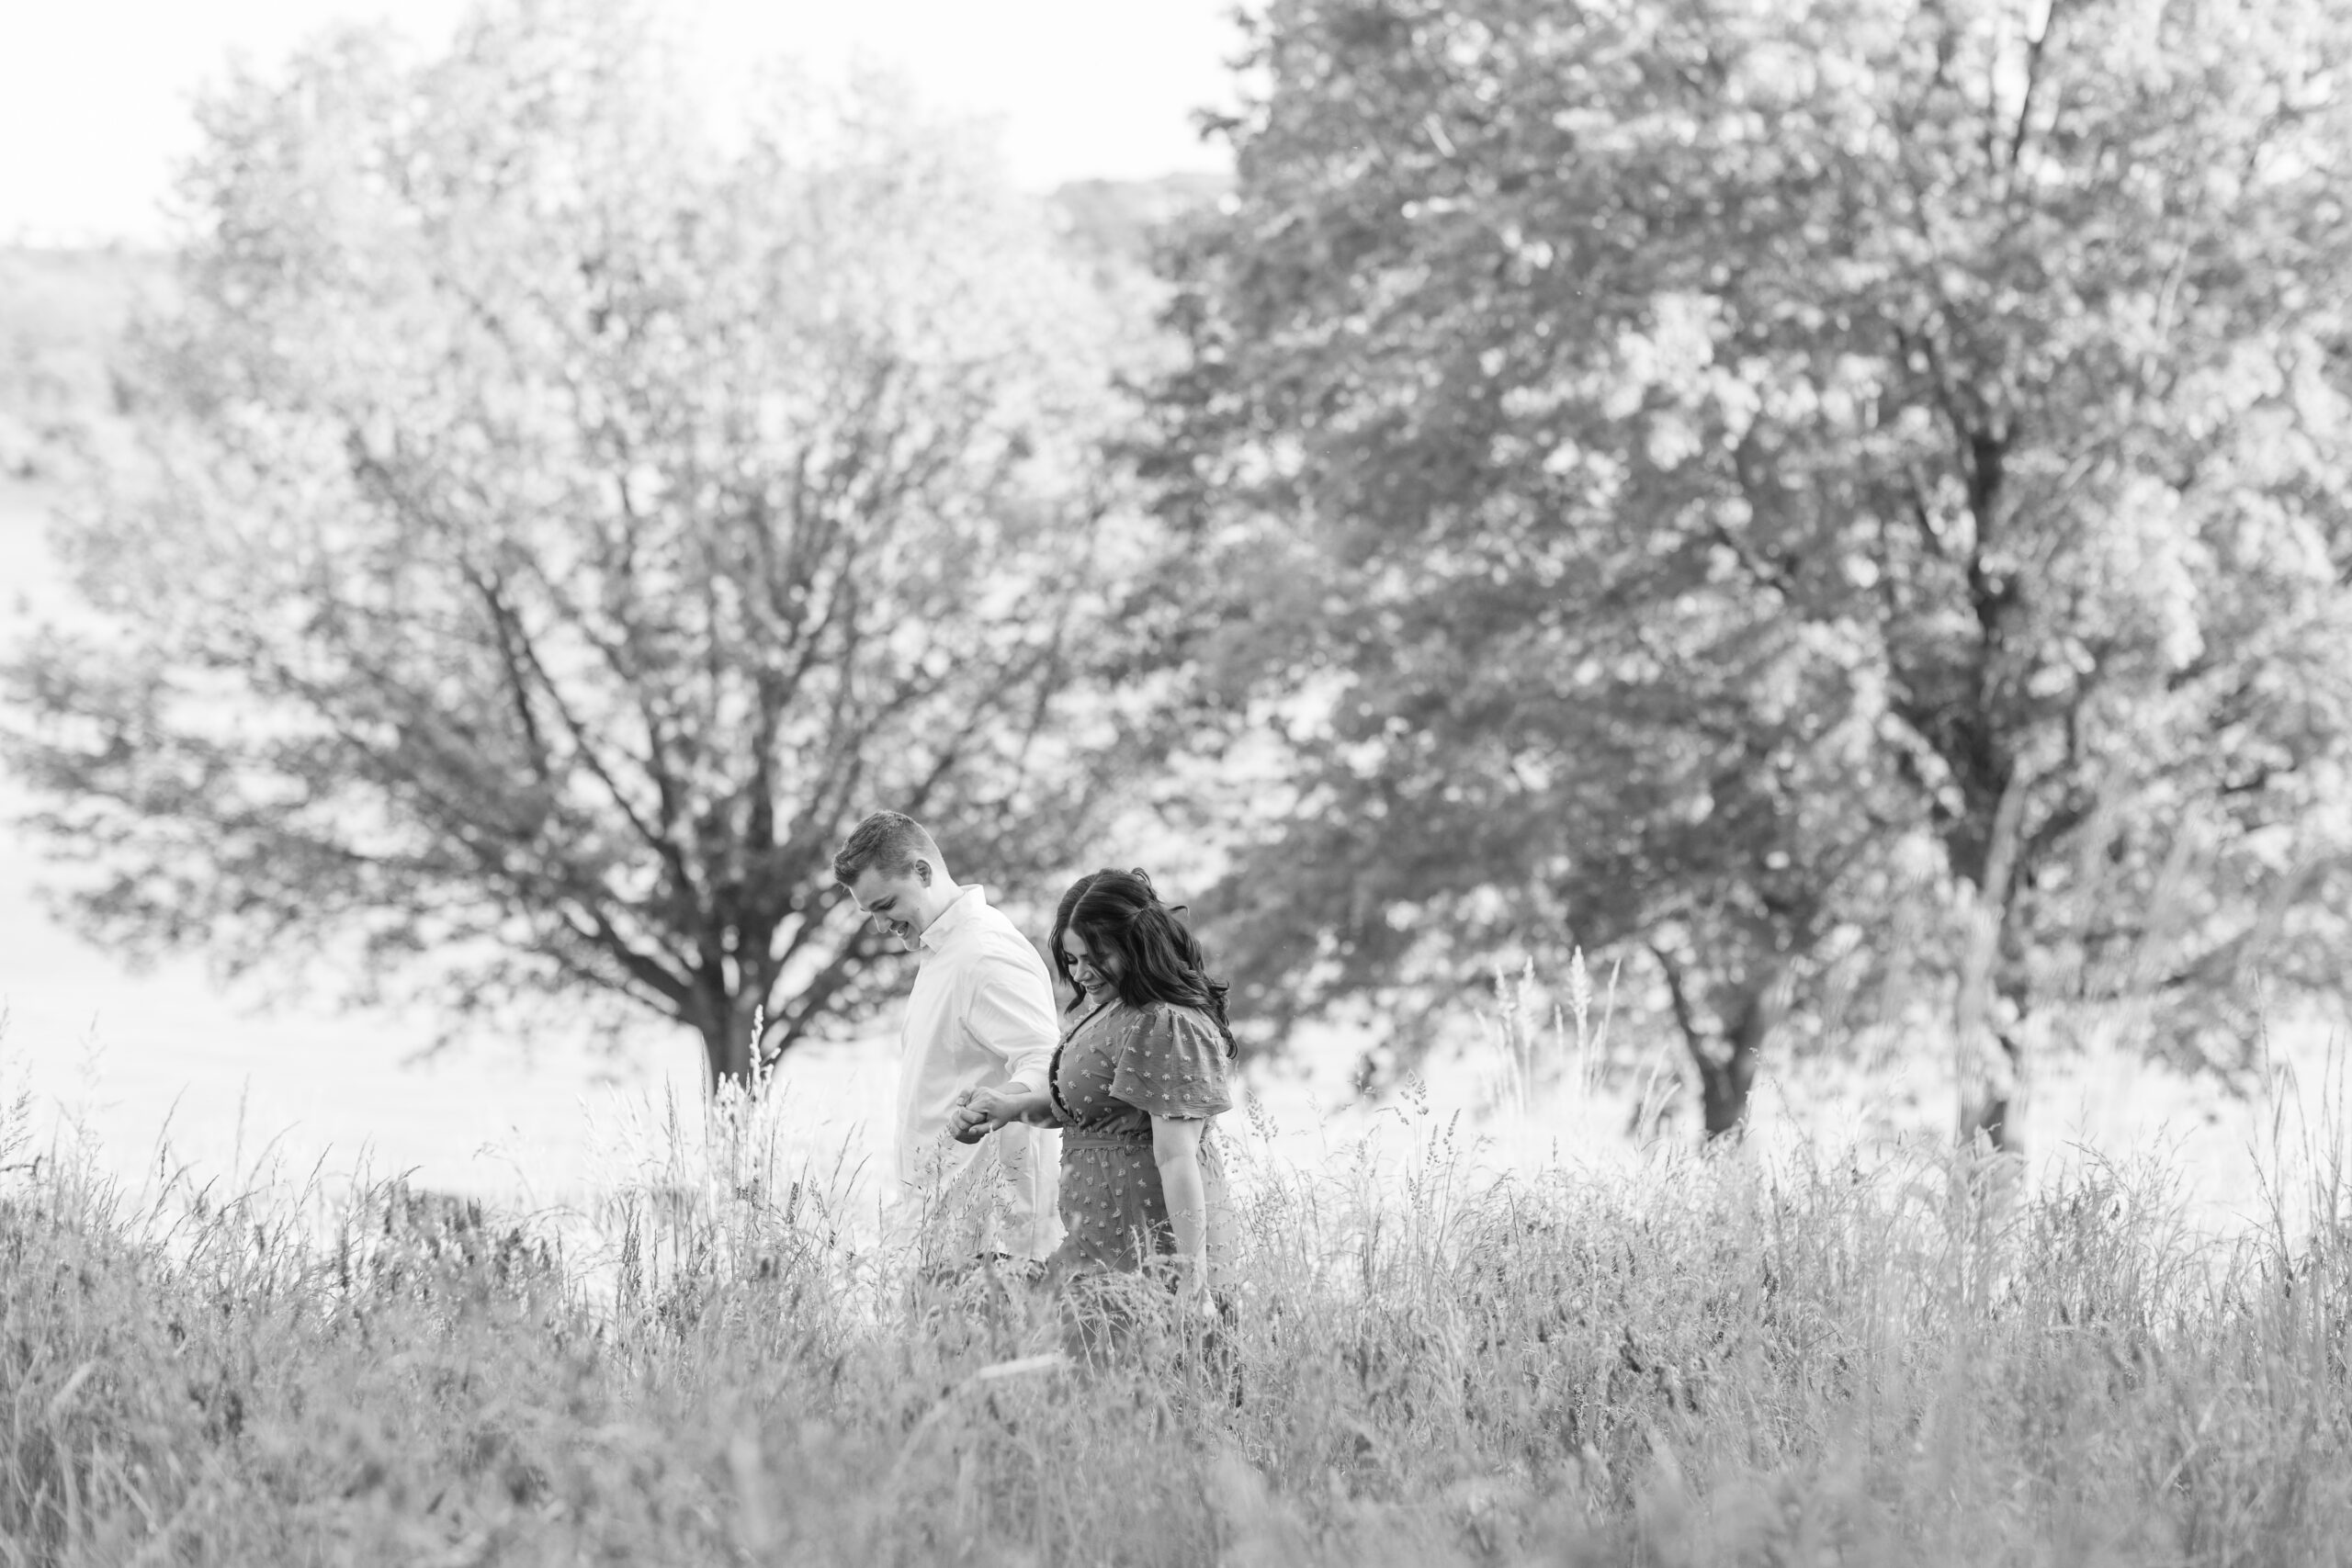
(1173, 1065)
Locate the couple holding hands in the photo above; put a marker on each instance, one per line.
(1078, 1113)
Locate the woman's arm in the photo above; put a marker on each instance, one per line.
(979, 1111)
(1017, 1102)
(1176, 1149)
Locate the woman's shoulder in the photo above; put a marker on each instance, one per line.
(1174, 1063)
(1159, 1010)
(1179, 1020)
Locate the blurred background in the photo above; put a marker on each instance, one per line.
(1642, 571)
(99, 113)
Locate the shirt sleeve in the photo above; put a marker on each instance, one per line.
(1173, 1065)
(1011, 1017)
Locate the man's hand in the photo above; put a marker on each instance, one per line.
(964, 1124)
(975, 1113)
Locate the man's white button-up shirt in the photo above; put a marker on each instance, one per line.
(981, 1016)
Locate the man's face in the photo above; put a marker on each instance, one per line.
(897, 905)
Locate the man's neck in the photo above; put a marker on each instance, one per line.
(945, 893)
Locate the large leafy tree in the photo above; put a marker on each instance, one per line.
(1750, 481)
(551, 528)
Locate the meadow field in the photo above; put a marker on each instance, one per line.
(1841, 507)
(1581, 1351)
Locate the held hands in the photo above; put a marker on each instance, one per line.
(977, 1113)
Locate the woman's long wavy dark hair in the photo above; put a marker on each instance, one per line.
(1158, 957)
(1054, 949)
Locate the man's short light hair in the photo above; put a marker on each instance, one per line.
(888, 841)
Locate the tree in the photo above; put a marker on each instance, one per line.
(1769, 475)
(554, 533)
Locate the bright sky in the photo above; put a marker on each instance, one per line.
(95, 95)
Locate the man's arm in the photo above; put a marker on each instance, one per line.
(1011, 1017)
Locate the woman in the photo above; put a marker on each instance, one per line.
(1141, 1071)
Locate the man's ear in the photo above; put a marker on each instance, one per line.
(922, 871)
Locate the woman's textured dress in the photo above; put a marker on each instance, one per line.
(1115, 1071)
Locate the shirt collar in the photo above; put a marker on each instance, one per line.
(959, 909)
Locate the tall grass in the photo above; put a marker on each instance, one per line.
(1663, 1358)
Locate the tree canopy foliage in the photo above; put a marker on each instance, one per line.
(1805, 494)
(555, 525)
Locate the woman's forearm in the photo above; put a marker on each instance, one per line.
(1019, 1102)
(1176, 1149)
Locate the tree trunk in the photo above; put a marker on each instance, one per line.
(1988, 1064)
(1726, 1072)
(725, 1025)
(1724, 1082)
(1723, 1087)
(1991, 1106)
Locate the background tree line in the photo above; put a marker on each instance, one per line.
(546, 529)
(1813, 496)
(1839, 505)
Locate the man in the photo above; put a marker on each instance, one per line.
(981, 1016)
